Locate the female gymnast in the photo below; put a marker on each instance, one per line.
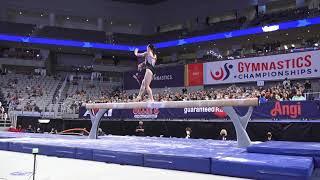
(150, 59)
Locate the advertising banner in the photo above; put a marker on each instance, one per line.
(194, 74)
(164, 77)
(276, 67)
(271, 110)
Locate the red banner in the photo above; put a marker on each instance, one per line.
(195, 74)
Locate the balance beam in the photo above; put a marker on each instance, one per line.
(175, 104)
(240, 122)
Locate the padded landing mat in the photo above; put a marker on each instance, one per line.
(308, 149)
(264, 166)
(195, 155)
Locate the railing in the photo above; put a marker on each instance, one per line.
(13, 113)
(57, 111)
(5, 121)
(61, 89)
(13, 118)
(312, 95)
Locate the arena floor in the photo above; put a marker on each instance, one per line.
(269, 160)
(19, 166)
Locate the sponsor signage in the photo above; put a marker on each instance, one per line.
(164, 77)
(276, 67)
(266, 111)
(194, 74)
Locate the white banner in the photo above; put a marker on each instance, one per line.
(276, 67)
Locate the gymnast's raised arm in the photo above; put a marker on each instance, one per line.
(139, 54)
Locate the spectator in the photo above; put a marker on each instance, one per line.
(29, 129)
(308, 90)
(307, 85)
(285, 97)
(5, 116)
(286, 83)
(53, 131)
(298, 97)
(184, 90)
(100, 132)
(269, 136)
(262, 98)
(38, 130)
(140, 129)
(19, 129)
(188, 132)
(2, 112)
(223, 134)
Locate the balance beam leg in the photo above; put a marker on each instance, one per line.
(95, 120)
(240, 124)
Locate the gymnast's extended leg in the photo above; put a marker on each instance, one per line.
(141, 91)
(148, 78)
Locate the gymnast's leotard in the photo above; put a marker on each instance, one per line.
(150, 63)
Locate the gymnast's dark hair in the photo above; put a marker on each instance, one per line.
(153, 49)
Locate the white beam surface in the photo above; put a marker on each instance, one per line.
(175, 104)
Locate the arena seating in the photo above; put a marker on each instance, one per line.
(72, 34)
(220, 26)
(79, 91)
(130, 39)
(36, 93)
(285, 15)
(20, 53)
(271, 93)
(3, 109)
(167, 36)
(16, 28)
(28, 93)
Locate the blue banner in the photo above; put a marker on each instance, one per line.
(271, 110)
(173, 43)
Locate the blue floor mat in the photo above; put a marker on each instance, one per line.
(195, 155)
(309, 149)
(264, 166)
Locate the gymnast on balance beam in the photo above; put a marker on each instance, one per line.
(150, 59)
